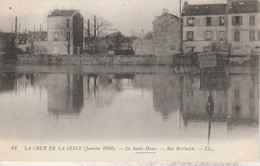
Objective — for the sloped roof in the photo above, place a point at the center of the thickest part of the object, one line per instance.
(245, 6)
(205, 9)
(62, 13)
(166, 14)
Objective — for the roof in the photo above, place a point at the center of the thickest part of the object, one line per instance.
(205, 9)
(62, 12)
(249, 6)
(166, 14)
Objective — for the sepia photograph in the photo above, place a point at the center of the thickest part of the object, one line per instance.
(129, 80)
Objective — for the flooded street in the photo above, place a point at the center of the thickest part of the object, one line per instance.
(165, 104)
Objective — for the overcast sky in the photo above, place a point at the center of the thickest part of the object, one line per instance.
(126, 15)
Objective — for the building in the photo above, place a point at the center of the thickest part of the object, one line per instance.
(65, 33)
(166, 37)
(203, 25)
(166, 34)
(244, 27)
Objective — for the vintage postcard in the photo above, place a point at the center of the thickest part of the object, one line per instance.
(129, 80)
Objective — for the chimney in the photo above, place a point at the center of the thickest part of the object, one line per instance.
(165, 11)
(185, 5)
(15, 30)
(229, 4)
(142, 34)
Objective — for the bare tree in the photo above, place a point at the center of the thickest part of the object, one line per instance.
(65, 31)
(98, 28)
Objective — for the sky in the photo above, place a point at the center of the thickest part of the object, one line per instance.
(127, 16)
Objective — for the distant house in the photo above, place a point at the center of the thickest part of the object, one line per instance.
(244, 27)
(203, 25)
(64, 33)
(166, 34)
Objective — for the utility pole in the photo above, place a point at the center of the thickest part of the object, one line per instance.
(181, 30)
(88, 29)
(95, 34)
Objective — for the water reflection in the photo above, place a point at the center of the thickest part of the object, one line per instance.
(168, 99)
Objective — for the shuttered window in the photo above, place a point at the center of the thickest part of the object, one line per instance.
(237, 20)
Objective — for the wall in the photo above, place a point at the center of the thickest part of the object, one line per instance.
(143, 47)
(244, 46)
(166, 35)
(96, 60)
(199, 29)
(48, 47)
(53, 24)
(77, 33)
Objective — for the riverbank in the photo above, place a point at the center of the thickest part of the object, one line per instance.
(95, 60)
(129, 60)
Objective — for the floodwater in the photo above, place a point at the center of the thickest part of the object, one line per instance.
(129, 103)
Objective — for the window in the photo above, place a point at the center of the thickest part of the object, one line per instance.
(206, 48)
(251, 94)
(221, 21)
(221, 36)
(236, 50)
(252, 20)
(56, 50)
(208, 21)
(237, 94)
(189, 49)
(190, 35)
(237, 20)
(55, 36)
(252, 35)
(258, 35)
(237, 36)
(190, 21)
(208, 36)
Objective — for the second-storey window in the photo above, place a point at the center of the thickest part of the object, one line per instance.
(55, 37)
(237, 35)
(221, 36)
(208, 21)
(208, 35)
(252, 35)
(190, 35)
(252, 20)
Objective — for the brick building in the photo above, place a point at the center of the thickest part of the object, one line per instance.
(244, 27)
(203, 25)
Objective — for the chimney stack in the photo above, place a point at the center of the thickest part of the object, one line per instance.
(15, 30)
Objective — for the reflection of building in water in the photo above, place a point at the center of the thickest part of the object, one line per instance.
(195, 92)
(143, 81)
(65, 93)
(236, 97)
(243, 96)
(166, 91)
(7, 81)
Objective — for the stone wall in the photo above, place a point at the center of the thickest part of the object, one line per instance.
(95, 60)
(166, 35)
(143, 47)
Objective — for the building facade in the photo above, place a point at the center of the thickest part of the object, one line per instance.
(166, 34)
(244, 27)
(203, 25)
(65, 32)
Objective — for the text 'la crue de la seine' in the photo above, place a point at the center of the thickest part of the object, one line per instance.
(136, 149)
